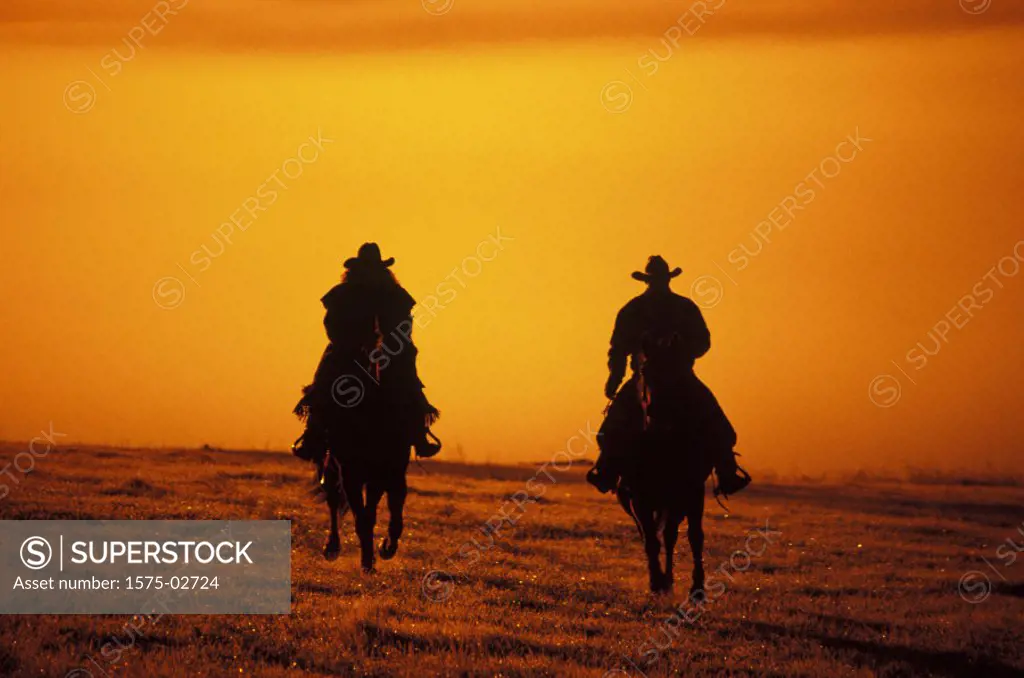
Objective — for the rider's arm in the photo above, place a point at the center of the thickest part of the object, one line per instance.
(333, 323)
(618, 353)
(332, 326)
(700, 335)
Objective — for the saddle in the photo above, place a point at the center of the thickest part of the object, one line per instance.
(312, 445)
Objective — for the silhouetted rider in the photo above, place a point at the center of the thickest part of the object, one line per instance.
(369, 323)
(661, 334)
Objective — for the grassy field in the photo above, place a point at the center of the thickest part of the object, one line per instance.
(858, 579)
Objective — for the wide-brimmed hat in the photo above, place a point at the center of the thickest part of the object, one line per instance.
(656, 270)
(369, 256)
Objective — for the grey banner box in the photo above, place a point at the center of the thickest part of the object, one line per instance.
(150, 567)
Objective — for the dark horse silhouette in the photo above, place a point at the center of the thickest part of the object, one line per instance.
(663, 480)
(659, 489)
(370, 449)
(664, 431)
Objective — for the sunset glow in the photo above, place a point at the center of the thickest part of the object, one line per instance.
(843, 194)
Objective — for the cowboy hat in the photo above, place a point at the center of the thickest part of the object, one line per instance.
(368, 255)
(656, 270)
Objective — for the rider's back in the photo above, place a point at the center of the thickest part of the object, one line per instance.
(661, 326)
(359, 313)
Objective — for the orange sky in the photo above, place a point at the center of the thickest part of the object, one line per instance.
(445, 128)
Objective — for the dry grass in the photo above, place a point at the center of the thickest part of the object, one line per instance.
(862, 580)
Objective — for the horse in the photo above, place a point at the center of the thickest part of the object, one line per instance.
(662, 486)
(369, 445)
(664, 476)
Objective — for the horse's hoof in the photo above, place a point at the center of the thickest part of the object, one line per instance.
(697, 595)
(387, 548)
(661, 583)
(332, 549)
(369, 569)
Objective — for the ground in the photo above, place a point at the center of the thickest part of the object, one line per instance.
(858, 578)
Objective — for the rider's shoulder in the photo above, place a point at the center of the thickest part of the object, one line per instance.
(347, 294)
(402, 297)
(685, 302)
(635, 305)
(662, 299)
(337, 295)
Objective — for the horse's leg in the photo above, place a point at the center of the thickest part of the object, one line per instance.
(374, 491)
(695, 534)
(397, 491)
(333, 546)
(672, 520)
(353, 483)
(647, 526)
(335, 502)
(652, 546)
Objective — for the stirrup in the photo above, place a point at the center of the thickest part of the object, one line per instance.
(427, 449)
